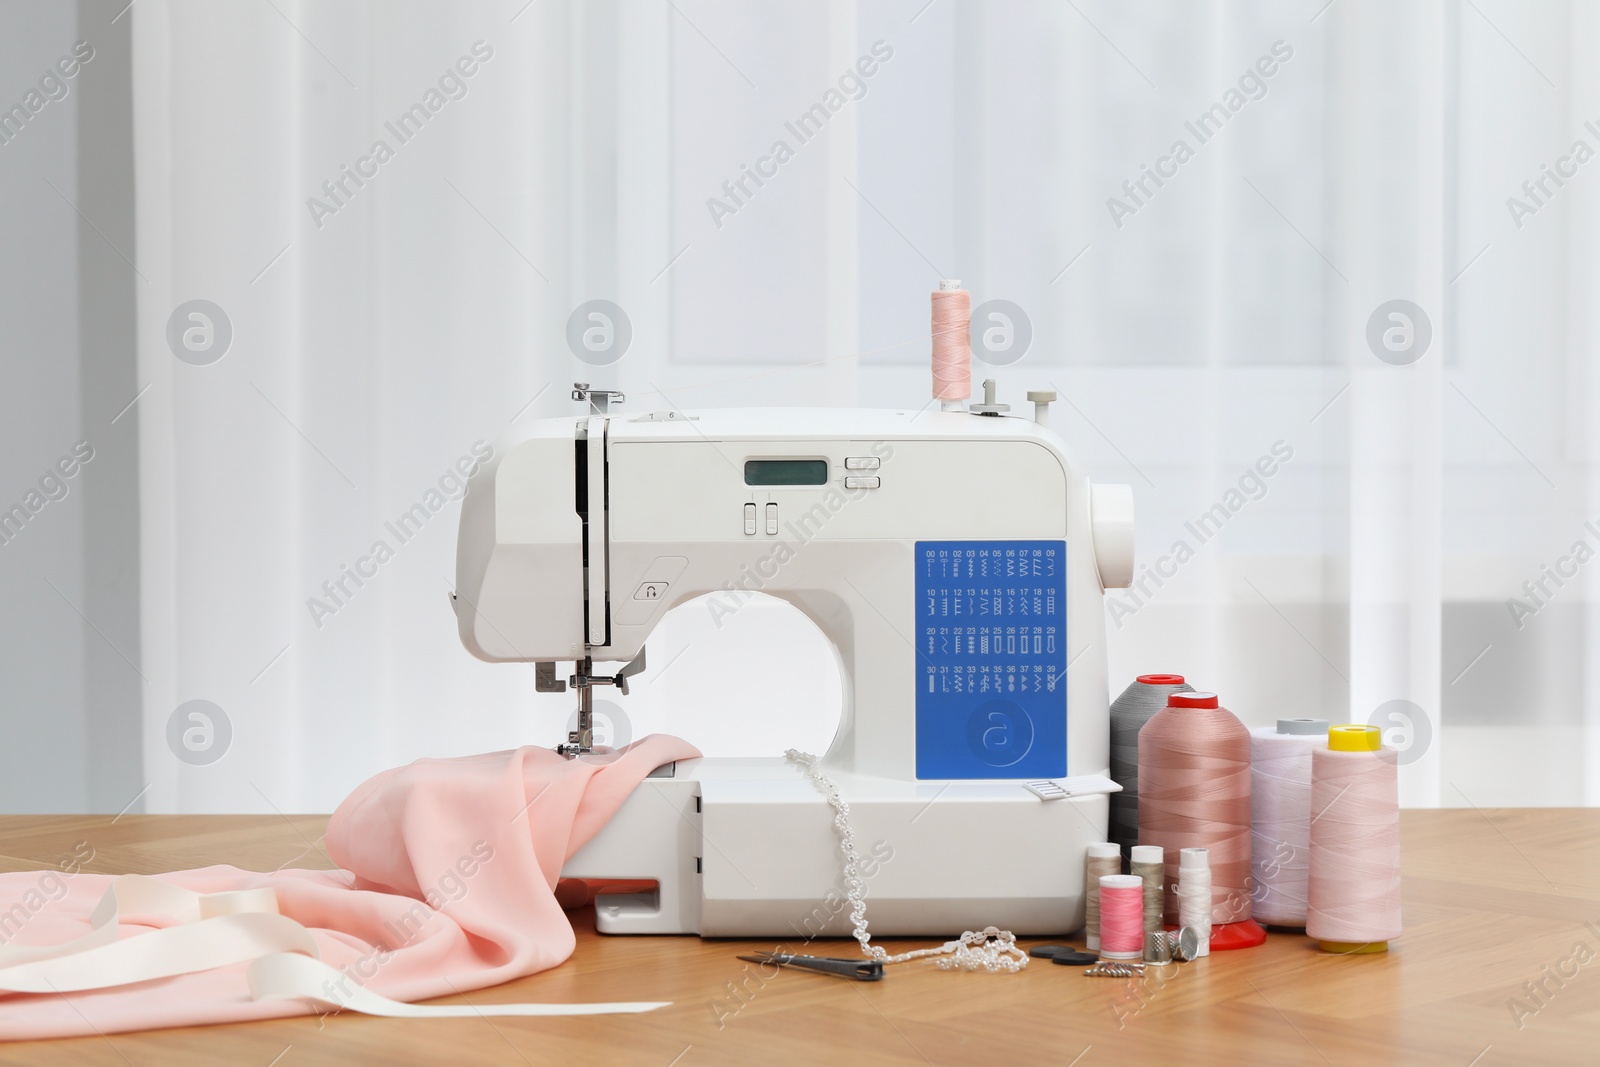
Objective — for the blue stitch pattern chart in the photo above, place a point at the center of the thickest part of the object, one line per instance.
(991, 633)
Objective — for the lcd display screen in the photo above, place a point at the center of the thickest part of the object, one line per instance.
(785, 472)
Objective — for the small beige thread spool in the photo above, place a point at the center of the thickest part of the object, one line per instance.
(1149, 866)
(1103, 858)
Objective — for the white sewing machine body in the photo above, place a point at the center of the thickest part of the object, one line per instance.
(951, 559)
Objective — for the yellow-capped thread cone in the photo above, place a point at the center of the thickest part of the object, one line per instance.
(1352, 737)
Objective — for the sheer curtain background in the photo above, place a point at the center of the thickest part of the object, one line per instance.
(1200, 330)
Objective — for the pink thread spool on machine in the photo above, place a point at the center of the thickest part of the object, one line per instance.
(952, 340)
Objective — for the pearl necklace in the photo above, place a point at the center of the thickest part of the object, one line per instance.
(990, 949)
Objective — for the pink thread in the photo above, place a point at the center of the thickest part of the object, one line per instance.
(952, 373)
(1354, 889)
(1121, 917)
(1194, 792)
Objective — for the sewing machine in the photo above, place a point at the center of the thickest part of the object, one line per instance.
(955, 559)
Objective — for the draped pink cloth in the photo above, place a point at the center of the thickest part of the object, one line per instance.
(450, 869)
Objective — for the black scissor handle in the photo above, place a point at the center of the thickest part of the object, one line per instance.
(860, 970)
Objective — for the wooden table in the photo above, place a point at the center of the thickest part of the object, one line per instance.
(1493, 900)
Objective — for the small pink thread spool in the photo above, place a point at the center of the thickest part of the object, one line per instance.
(952, 342)
(1121, 917)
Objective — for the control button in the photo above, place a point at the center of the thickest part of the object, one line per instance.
(861, 463)
(641, 607)
(772, 518)
(749, 520)
(862, 481)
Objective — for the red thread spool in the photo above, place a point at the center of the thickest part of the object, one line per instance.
(1121, 917)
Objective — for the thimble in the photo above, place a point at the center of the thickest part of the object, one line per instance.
(1184, 944)
(1157, 947)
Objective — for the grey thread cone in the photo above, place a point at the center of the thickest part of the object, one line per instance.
(1129, 713)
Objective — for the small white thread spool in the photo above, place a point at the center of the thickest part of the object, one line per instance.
(1150, 866)
(1194, 894)
(1104, 857)
(1280, 818)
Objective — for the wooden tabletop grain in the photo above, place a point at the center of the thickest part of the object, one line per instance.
(1497, 907)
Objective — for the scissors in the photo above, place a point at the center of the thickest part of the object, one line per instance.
(860, 970)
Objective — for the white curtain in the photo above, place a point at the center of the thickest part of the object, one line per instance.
(1201, 329)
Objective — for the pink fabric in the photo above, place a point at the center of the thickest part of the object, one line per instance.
(449, 884)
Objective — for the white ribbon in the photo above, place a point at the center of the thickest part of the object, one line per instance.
(212, 930)
(289, 976)
(134, 894)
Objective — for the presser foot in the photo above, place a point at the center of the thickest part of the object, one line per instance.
(578, 743)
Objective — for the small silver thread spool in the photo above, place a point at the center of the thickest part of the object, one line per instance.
(1129, 712)
(1103, 858)
(1150, 866)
